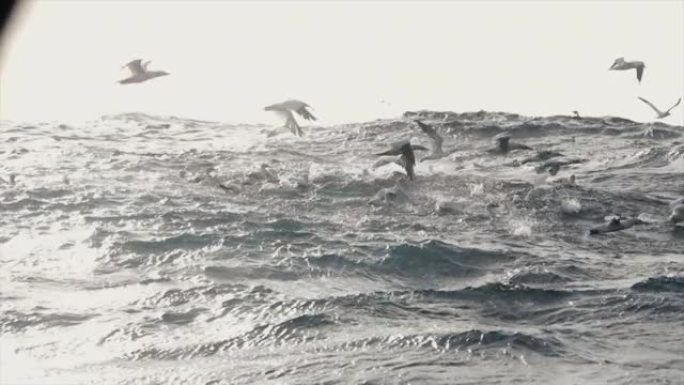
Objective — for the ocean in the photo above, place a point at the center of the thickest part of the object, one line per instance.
(138, 249)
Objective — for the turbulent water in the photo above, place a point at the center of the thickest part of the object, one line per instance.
(146, 250)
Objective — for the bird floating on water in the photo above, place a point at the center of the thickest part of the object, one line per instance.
(285, 109)
(140, 73)
(677, 211)
(661, 114)
(621, 65)
(615, 224)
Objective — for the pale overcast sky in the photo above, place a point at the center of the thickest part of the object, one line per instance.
(228, 59)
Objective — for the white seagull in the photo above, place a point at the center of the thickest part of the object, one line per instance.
(621, 65)
(285, 109)
(139, 72)
(661, 114)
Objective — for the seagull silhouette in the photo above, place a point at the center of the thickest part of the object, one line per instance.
(661, 114)
(621, 65)
(139, 72)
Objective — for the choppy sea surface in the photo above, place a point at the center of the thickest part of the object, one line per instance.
(124, 261)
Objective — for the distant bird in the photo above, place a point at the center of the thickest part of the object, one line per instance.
(140, 73)
(503, 145)
(677, 214)
(437, 142)
(577, 115)
(677, 211)
(661, 114)
(407, 158)
(285, 109)
(621, 65)
(615, 224)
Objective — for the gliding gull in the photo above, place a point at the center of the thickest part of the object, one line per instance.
(661, 114)
(285, 109)
(621, 65)
(139, 72)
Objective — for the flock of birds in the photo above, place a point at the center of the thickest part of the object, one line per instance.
(620, 64)
(402, 152)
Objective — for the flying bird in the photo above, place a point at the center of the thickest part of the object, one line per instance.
(503, 145)
(661, 114)
(621, 65)
(577, 115)
(407, 158)
(285, 109)
(437, 141)
(140, 73)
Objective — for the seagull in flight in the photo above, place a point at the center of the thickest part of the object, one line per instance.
(140, 73)
(661, 114)
(285, 109)
(577, 115)
(621, 65)
(503, 145)
(437, 141)
(407, 158)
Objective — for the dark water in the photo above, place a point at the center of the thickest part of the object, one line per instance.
(124, 262)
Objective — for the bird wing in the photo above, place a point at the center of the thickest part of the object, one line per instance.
(290, 122)
(274, 107)
(418, 147)
(145, 64)
(675, 105)
(393, 151)
(293, 104)
(135, 67)
(304, 113)
(437, 140)
(408, 158)
(651, 105)
(640, 72)
(383, 161)
(395, 148)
